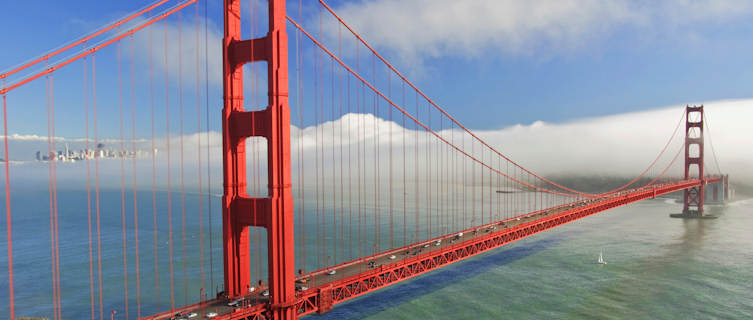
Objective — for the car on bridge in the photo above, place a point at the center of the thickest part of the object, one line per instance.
(235, 303)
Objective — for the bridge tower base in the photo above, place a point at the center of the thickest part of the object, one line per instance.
(693, 197)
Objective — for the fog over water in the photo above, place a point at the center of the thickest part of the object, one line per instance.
(656, 264)
(616, 146)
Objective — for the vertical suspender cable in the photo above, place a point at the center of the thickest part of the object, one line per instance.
(389, 88)
(350, 178)
(340, 123)
(483, 186)
(415, 177)
(320, 166)
(49, 185)
(454, 181)
(57, 225)
(317, 145)
(405, 178)
(209, 153)
(198, 157)
(325, 256)
(154, 173)
(465, 180)
(88, 188)
(428, 175)
(442, 183)
(499, 185)
(56, 256)
(491, 192)
(316, 158)
(8, 224)
(301, 176)
(55, 202)
(182, 184)
(359, 127)
(121, 155)
(169, 191)
(489, 207)
(334, 188)
(96, 188)
(135, 189)
(376, 160)
(473, 187)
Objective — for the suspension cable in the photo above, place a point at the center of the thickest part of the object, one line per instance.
(342, 22)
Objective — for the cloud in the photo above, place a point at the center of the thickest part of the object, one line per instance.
(167, 35)
(434, 28)
(616, 146)
(620, 145)
(624, 144)
(38, 138)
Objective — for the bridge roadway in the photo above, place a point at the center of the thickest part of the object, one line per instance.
(354, 278)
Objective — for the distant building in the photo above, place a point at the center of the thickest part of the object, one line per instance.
(69, 155)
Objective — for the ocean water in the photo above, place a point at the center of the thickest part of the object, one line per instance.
(658, 267)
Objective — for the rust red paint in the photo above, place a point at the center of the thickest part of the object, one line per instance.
(693, 197)
(240, 211)
(325, 297)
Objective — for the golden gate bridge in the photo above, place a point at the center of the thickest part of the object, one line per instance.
(395, 186)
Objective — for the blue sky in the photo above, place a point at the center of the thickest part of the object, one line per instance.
(626, 56)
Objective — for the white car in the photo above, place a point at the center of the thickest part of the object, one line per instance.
(192, 315)
(265, 293)
(426, 245)
(393, 257)
(331, 272)
(234, 303)
(211, 315)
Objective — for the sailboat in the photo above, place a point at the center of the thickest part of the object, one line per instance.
(601, 258)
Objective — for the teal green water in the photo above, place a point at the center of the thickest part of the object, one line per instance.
(658, 268)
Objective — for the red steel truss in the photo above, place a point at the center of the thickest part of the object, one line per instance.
(322, 298)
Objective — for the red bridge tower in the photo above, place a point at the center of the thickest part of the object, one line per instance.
(239, 210)
(693, 197)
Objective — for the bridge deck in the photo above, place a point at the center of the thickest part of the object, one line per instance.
(357, 277)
